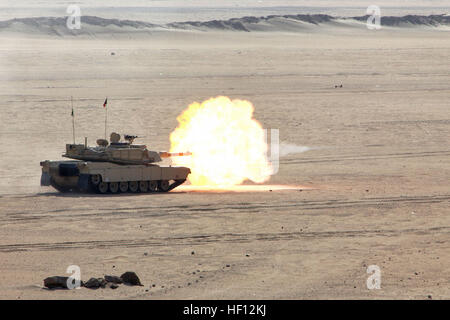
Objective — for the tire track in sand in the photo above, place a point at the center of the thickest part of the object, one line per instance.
(217, 238)
(187, 211)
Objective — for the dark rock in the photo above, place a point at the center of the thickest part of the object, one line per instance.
(113, 286)
(102, 282)
(113, 279)
(131, 278)
(56, 282)
(94, 283)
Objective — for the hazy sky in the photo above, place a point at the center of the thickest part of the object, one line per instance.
(166, 11)
(221, 3)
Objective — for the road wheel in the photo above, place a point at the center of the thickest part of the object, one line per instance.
(134, 186)
(114, 187)
(143, 186)
(152, 186)
(102, 187)
(96, 179)
(163, 185)
(123, 186)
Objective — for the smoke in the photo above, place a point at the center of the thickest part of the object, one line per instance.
(289, 148)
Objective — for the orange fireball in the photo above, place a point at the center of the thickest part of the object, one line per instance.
(228, 146)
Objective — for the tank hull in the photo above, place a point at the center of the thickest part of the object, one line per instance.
(106, 177)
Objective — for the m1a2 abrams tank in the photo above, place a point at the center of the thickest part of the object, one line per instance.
(112, 167)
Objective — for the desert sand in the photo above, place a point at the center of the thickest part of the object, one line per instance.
(373, 189)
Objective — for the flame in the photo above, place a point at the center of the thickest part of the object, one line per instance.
(228, 146)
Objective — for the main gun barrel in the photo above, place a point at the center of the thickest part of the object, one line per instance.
(174, 154)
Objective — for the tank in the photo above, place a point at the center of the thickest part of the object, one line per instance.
(113, 167)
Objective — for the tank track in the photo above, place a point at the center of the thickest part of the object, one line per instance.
(116, 188)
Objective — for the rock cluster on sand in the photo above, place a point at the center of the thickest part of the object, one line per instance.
(114, 279)
(94, 283)
(129, 278)
(56, 282)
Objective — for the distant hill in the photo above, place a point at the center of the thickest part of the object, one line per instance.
(92, 25)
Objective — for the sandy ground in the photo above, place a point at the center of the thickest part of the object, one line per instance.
(375, 189)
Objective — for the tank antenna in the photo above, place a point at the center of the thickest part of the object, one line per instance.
(73, 120)
(106, 114)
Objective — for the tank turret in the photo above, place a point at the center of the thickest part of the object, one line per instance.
(117, 152)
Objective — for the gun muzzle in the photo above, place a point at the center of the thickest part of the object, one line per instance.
(174, 154)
